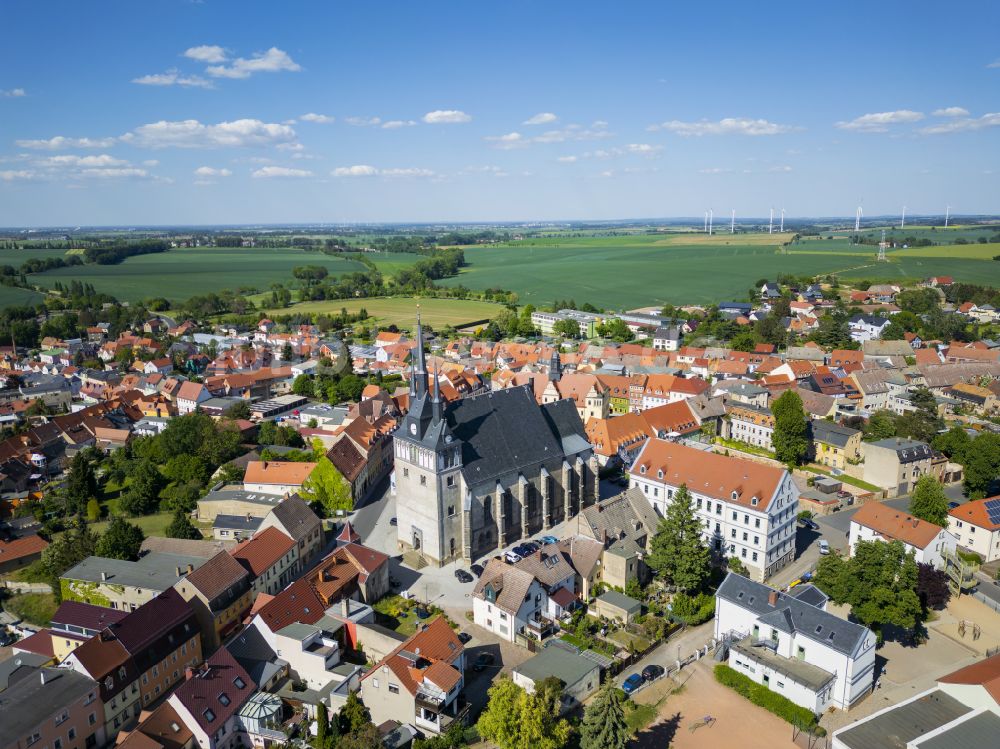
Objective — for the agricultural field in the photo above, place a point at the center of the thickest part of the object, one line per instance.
(17, 257)
(627, 271)
(182, 273)
(15, 296)
(402, 311)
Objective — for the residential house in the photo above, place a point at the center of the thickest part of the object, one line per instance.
(662, 389)
(220, 592)
(962, 710)
(834, 445)
(748, 509)
(189, 396)
(623, 525)
(867, 327)
(895, 463)
(124, 585)
(295, 519)
(749, 424)
(667, 338)
(979, 400)
(271, 557)
(106, 661)
(792, 645)
(51, 708)
(420, 682)
(976, 525)
(208, 702)
(580, 676)
(511, 602)
(276, 477)
(20, 552)
(74, 623)
(875, 521)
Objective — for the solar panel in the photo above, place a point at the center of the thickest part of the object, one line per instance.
(993, 510)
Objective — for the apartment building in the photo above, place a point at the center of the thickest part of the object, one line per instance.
(976, 525)
(875, 521)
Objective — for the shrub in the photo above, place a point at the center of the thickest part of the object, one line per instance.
(969, 557)
(692, 610)
(763, 697)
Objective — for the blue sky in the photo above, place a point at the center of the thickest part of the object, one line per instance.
(171, 111)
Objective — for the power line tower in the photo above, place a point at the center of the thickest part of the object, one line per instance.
(881, 248)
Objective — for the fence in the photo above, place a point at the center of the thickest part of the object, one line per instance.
(26, 587)
(808, 740)
(995, 605)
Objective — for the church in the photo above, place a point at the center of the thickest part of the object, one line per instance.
(477, 474)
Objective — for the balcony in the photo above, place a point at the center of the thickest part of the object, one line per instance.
(961, 574)
(439, 722)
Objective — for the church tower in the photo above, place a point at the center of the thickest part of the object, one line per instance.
(428, 463)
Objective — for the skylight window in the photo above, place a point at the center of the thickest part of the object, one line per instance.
(224, 699)
(239, 683)
(209, 715)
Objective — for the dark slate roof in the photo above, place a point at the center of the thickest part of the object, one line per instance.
(831, 433)
(252, 652)
(237, 522)
(19, 666)
(908, 451)
(156, 629)
(296, 517)
(505, 431)
(979, 730)
(809, 594)
(791, 614)
(34, 702)
(85, 615)
(897, 727)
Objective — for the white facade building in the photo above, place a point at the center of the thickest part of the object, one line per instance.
(976, 525)
(789, 643)
(748, 510)
(877, 522)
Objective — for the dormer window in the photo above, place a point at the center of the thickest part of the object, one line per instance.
(753, 501)
(224, 699)
(209, 715)
(642, 469)
(239, 683)
(734, 495)
(659, 474)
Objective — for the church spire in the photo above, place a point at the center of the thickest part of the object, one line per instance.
(419, 378)
(555, 367)
(436, 400)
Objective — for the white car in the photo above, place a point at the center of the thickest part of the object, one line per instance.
(512, 558)
(824, 546)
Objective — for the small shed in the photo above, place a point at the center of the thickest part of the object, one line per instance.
(581, 676)
(615, 605)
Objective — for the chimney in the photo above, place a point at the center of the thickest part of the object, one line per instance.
(416, 651)
(345, 606)
(178, 571)
(41, 674)
(772, 598)
(188, 673)
(104, 576)
(190, 568)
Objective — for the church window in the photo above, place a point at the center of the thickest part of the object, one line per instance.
(451, 511)
(450, 481)
(423, 481)
(406, 472)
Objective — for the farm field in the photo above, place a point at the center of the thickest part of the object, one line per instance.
(15, 296)
(629, 271)
(16, 257)
(401, 311)
(179, 274)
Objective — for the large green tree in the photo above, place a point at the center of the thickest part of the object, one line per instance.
(791, 429)
(327, 488)
(982, 465)
(928, 501)
(881, 425)
(182, 527)
(604, 725)
(122, 540)
(514, 719)
(678, 553)
(81, 483)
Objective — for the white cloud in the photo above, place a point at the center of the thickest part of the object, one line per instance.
(879, 122)
(961, 124)
(395, 124)
(151, 162)
(596, 131)
(12, 175)
(319, 119)
(567, 159)
(210, 53)
(507, 142)
(542, 118)
(115, 173)
(608, 173)
(951, 112)
(410, 172)
(643, 148)
(725, 126)
(208, 171)
(994, 64)
(715, 170)
(358, 170)
(173, 78)
(13, 93)
(363, 121)
(780, 168)
(194, 134)
(273, 60)
(446, 117)
(295, 147)
(280, 171)
(60, 142)
(60, 162)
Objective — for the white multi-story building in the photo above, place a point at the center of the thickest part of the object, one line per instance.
(792, 645)
(748, 510)
(750, 424)
(878, 522)
(977, 527)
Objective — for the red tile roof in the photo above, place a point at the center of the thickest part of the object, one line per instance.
(975, 513)
(985, 673)
(896, 525)
(19, 548)
(40, 643)
(429, 654)
(260, 553)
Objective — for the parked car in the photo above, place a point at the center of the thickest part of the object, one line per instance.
(464, 637)
(632, 683)
(463, 576)
(421, 612)
(393, 521)
(511, 557)
(477, 570)
(549, 540)
(651, 672)
(810, 524)
(824, 546)
(482, 661)
(530, 546)
(953, 505)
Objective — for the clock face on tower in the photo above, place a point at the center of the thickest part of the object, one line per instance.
(413, 429)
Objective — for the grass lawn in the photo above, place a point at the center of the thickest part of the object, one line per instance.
(639, 716)
(624, 638)
(179, 274)
(152, 525)
(36, 608)
(402, 311)
(845, 478)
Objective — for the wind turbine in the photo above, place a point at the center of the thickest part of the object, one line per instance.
(902, 220)
(710, 217)
(947, 214)
(706, 223)
(782, 229)
(732, 222)
(770, 223)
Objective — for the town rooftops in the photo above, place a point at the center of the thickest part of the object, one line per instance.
(897, 727)
(295, 516)
(237, 494)
(984, 513)
(185, 546)
(154, 571)
(504, 585)
(277, 473)
(258, 554)
(627, 515)
(37, 698)
(710, 474)
(908, 451)
(789, 614)
(984, 673)
(429, 654)
(162, 729)
(247, 523)
(215, 691)
(896, 525)
(831, 433)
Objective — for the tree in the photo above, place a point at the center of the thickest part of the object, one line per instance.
(549, 690)
(514, 719)
(745, 340)
(353, 715)
(93, 510)
(327, 733)
(65, 551)
(954, 443)
(349, 388)
(678, 554)
(182, 527)
(303, 385)
(453, 738)
(928, 501)
(604, 725)
(566, 328)
(982, 464)
(81, 484)
(142, 495)
(239, 410)
(616, 330)
(932, 587)
(121, 540)
(735, 565)
(880, 426)
(366, 737)
(791, 429)
(327, 488)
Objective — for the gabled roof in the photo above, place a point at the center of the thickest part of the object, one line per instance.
(259, 553)
(19, 548)
(985, 673)
(977, 513)
(429, 654)
(216, 576)
(86, 615)
(509, 585)
(895, 525)
(277, 472)
(216, 691)
(295, 517)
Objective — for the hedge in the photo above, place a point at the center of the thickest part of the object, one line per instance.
(763, 697)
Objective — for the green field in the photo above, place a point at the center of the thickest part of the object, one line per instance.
(15, 296)
(402, 311)
(16, 257)
(179, 274)
(630, 271)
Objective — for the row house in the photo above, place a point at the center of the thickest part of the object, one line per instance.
(51, 707)
(271, 557)
(662, 389)
(751, 425)
(929, 543)
(221, 592)
(748, 510)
